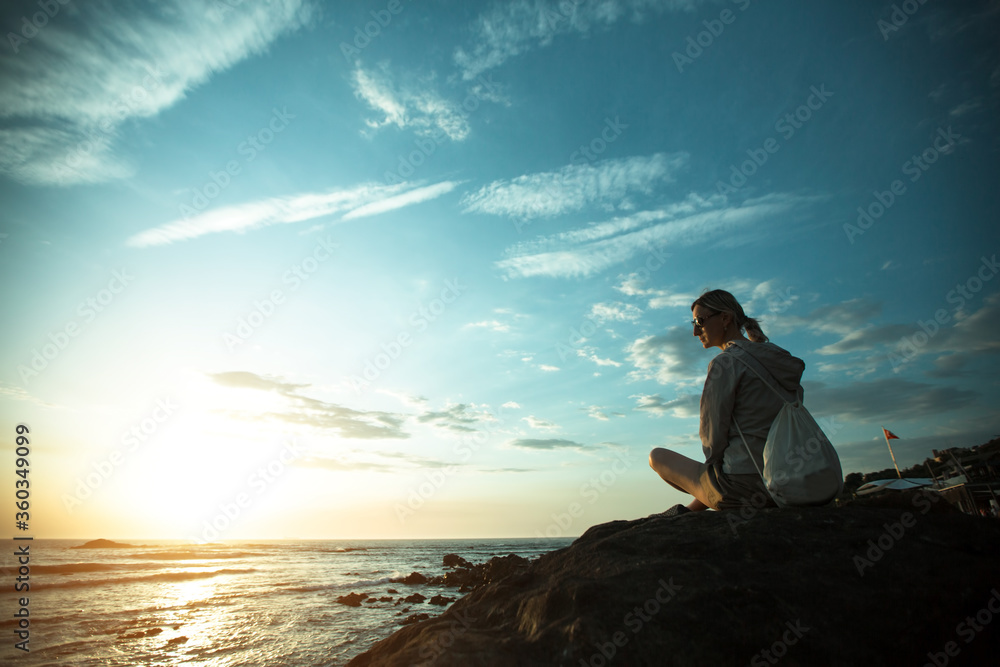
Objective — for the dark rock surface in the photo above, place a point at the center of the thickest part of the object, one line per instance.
(414, 618)
(858, 585)
(141, 634)
(468, 577)
(352, 599)
(454, 560)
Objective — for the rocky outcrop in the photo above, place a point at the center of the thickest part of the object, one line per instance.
(104, 544)
(469, 577)
(464, 575)
(910, 584)
(352, 599)
(440, 600)
(412, 579)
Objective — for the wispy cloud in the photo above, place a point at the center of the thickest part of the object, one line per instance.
(686, 405)
(292, 405)
(343, 464)
(668, 358)
(504, 322)
(362, 200)
(79, 80)
(461, 417)
(771, 297)
(885, 400)
(18, 394)
(659, 297)
(544, 444)
(408, 400)
(303, 410)
(597, 412)
(615, 311)
(416, 106)
(508, 29)
(952, 344)
(406, 199)
(492, 325)
(540, 424)
(574, 186)
(391, 463)
(590, 354)
(595, 249)
(847, 318)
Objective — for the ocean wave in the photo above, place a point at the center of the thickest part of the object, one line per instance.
(193, 555)
(338, 586)
(49, 620)
(163, 577)
(76, 568)
(217, 600)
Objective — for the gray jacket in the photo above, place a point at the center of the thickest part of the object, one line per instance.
(733, 390)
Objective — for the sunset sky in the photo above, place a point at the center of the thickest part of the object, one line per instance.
(424, 269)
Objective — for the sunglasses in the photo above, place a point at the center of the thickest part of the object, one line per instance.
(699, 322)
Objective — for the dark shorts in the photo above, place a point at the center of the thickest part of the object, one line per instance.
(726, 492)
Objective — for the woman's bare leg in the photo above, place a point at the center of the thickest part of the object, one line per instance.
(681, 473)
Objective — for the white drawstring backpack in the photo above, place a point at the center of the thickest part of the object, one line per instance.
(801, 467)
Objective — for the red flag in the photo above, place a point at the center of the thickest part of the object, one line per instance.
(889, 435)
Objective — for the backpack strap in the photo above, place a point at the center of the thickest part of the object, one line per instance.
(762, 379)
(749, 453)
(740, 431)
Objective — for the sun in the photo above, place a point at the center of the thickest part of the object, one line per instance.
(205, 461)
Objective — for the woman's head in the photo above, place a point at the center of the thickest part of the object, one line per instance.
(731, 319)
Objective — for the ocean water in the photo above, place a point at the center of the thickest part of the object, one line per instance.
(235, 603)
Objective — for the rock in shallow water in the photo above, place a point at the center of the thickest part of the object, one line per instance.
(352, 599)
(820, 586)
(454, 560)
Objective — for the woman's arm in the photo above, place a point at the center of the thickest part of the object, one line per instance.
(718, 399)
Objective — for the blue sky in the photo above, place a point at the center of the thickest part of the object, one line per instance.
(398, 269)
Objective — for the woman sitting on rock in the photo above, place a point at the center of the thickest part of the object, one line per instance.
(728, 479)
